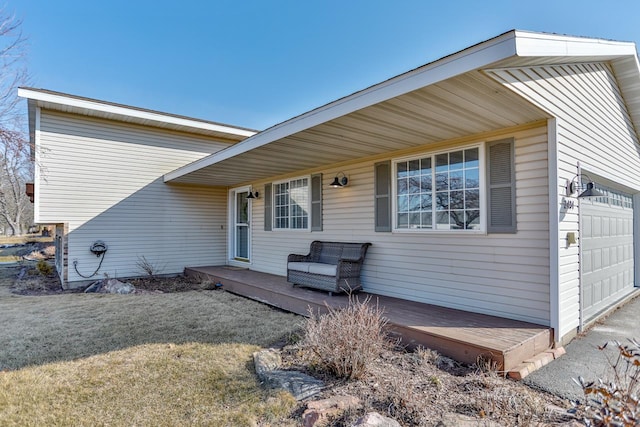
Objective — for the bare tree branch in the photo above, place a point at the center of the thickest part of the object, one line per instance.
(15, 166)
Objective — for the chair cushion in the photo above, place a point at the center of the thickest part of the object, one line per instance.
(324, 269)
(299, 266)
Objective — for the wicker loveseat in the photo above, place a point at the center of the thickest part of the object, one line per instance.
(329, 266)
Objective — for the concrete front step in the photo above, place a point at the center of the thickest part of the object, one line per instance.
(535, 363)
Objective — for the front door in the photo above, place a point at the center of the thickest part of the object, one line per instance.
(240, 229)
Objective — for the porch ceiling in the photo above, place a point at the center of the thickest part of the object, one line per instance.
(464, 105)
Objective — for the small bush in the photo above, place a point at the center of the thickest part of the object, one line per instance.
(615, 402)
(344, 341)
(44, 268)
(149, 268)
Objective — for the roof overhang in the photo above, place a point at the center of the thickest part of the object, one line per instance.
(63, 102)
(388, 116)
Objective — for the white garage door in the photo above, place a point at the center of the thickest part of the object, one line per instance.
(607, 250)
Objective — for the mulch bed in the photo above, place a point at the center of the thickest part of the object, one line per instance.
(418, 388)
(28, 281)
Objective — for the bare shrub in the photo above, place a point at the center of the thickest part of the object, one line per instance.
(344, 341)
(149, 268)
(487, 364)
(615, 402)
(427, 355)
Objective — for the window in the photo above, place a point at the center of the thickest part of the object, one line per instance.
(439, 191)
(291, 204)
(612, 197)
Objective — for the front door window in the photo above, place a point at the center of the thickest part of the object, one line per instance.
(241, 229)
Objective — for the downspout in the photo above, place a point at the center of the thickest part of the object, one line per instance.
(36, 165)
(580, 287)
(554, 223)
(636, 241)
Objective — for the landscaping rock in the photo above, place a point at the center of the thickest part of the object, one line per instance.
(114, 286)
(318, 411)
(300, 385)
(94, 287)
(110, 286)
(374, 419)
(459, 420)
(266, 360)
(558, 414)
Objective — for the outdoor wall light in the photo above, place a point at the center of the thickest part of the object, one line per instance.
(253, 195)
(591, 191)
(340, 180)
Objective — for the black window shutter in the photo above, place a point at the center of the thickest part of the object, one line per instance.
(502, 186)
(382, 178)
(316, 202)
(268, 211)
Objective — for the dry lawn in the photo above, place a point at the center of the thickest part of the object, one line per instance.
(146, 385)
(184, 358)
(24, 239)
(10, 254)
(149, 359)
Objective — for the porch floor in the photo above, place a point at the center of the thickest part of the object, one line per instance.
(461, 335)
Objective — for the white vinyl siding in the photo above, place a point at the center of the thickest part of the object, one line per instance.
(104, 179)
(594, 129)
(500, 274)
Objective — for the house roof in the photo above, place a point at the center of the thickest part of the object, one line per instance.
(108, 110)
(445, 99)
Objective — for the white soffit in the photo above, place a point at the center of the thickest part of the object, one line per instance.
(513, 46)
(96, 108)
(459, 63)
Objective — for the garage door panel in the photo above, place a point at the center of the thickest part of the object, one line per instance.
(586, 227)
(607, 251)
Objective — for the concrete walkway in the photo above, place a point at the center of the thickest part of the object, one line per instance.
(583, 357)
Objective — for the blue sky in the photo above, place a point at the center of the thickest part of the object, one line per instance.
(257, 63)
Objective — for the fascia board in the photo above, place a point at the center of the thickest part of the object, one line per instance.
(542, 44)
(128, 112)
(475, 57)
